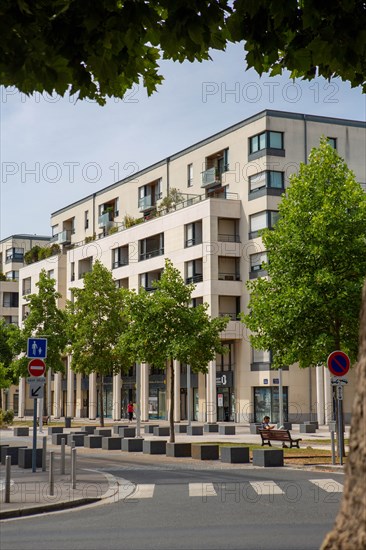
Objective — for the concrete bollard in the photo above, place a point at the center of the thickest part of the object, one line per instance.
(62, 462)
(7, 478)
(73, 468)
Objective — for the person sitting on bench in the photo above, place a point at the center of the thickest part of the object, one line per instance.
(265, 424)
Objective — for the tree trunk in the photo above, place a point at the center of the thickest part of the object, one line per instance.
(101, 386)
(171, 411)
(349, 531)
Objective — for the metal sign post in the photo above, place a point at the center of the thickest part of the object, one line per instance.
(34, 448)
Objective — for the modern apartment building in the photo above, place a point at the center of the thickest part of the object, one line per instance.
(230, 185)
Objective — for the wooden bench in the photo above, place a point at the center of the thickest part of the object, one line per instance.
(45, 420)
(278, 435)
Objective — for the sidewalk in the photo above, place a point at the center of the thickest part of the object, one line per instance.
(30, 492)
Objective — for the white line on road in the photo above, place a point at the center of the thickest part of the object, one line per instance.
(328, 485)
(266, 488)
(142, 491)
(202, 490)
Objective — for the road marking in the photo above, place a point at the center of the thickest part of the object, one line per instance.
(266, 488)
(328, 485)
(142, 491)
(202, 490)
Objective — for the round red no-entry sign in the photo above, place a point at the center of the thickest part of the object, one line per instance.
(36, 367)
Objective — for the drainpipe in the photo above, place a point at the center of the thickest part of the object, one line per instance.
(167, 175)
(305, 141)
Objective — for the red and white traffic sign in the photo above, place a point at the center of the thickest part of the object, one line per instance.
(36, 367)
(338, 363)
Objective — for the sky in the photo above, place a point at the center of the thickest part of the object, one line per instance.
(55, 150)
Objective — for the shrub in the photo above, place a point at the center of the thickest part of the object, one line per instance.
(6, 417)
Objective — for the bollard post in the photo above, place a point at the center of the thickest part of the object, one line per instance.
(7, 478)
(73, 468)
(51, 475)
(63, 442)
(332, 447)
(44, 453)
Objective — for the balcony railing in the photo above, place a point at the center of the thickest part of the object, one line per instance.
(194, 279)
(105, 220)
(210, 177)
(64, 237)
(146, 202)
(26, 291)
(229, 277)
(233, 316)
(228, 238)
(151, 254)
(15, 258)
(120, 263)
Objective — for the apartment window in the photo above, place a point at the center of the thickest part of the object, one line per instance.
(27, 286)
(196, 301)
(72, 275)
(10, 299)
(269, 179)
(12, 275)
(151, 247)
(333, 142)
(216, 165)
(15, 255)
(149, 194)
(189, 175)
(266, 140)
(51, 274)
(194, 272)
(256, 264)
(54, 230)
(86, 219)
(226, 361)
(122, 283)
(119, 256)
(262, 220)
(148, 280)
(193, 233)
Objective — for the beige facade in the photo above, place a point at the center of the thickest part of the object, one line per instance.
(230, 185)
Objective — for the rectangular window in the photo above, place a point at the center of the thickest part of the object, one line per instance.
(119, 256)
(193, 234)
(333, 142)
(261, 356)
(262, 220)
(10, 299)
(12, 275)
(189, 175)
(194, 271)
(15, 255)
(86, 219)
(257, 261)
(266, 140)
(51, 274)
(72, 275)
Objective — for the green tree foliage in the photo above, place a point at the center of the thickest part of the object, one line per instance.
(101, 49)
(309, 306)
(96, 320)
(9, 334)
(45, 319)
(163, 327)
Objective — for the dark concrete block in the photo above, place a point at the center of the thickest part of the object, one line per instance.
(307, 429)
(56, 438)
(112, 443)
(178, 449)
(235, 455)
(12, 451)
(205, 452)
(104, 432)
(226, 430)
(78, 439)
(25, 458)
(267, 457)
(162, 431)
(195, 430)
(285, 426)
(312, 423)
(89, 430)
(93, 441)
(149, 428)
(68, 421)
(55, 430)
(211, 428)
(255, 427)
(127, 432)
(132, 445)
(21, 431)
(180, 428)
(154, 447)
(116, 428)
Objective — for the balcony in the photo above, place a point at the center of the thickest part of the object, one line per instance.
(233, 316)
(146, 203)
(229, 277)
(105, 220)
(210, 177)
(64, 237)
(120, 263)
(194, 279)
(226, 238)
(151, 254)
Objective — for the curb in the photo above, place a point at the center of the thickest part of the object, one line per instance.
(63, 505)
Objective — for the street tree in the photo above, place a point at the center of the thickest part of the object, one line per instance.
(163, 327)
(102, 49)
(309, 305)
(96, 320)
(9, 334)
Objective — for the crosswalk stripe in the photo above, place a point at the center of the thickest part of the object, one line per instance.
(328, 485)
(202, 490)
(266, 488)
(142, 491)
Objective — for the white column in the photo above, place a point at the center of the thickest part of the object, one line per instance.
(21, 405)
(319, 370)
(116, 410)
(57, 394)
(211, 393)
(70, 389)
(79, 397)
(144, 392)
(92, 396)
(176, 367)
(328, 399)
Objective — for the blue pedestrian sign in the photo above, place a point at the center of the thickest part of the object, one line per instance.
(37, 347)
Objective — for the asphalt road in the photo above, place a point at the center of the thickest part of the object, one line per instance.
(171, 509)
